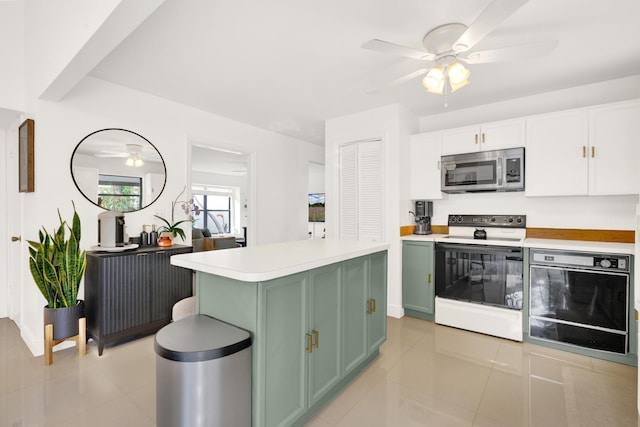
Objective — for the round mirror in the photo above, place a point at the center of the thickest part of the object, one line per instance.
(119, 170)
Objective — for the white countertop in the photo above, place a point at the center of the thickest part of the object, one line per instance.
(568, 245)
(423, 237)
(266, 262)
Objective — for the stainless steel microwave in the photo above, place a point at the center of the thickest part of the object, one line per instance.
(497, 170)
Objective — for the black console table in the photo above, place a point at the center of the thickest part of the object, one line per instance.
(131, 294)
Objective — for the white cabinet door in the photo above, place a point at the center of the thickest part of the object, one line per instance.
(489, 136)
(556, 154)
(614, 153)
(500, 135)
(424, 163)
(461, 140)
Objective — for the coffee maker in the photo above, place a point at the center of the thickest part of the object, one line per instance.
(111, 229)
(422, 215)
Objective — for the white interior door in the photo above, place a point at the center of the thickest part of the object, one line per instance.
(13, 252)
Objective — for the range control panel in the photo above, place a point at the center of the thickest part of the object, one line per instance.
(580, 259)
(502, 221)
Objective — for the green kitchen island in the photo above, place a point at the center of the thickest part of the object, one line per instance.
(316, 310)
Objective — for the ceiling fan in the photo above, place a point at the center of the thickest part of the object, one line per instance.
(133, 154)
(448, 50)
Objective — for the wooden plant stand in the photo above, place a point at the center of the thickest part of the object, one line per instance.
(80, 339)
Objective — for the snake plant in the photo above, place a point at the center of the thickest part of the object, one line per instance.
(57, 264)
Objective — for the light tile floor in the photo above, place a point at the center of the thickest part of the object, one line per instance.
(426, 375)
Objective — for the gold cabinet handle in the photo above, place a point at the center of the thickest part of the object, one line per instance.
(483, 137)
(429, 278)
(315, 336)
(593, 152)
(16, 238)
(374, 305)
(369, 306)
(584, 151)
(309, 347)
(476, 135)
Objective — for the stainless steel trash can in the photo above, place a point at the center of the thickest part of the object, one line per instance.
(203, 374)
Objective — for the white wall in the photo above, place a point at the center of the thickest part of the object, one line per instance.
(580, 96)
(12, 54)
(316, 178)
(393, 124)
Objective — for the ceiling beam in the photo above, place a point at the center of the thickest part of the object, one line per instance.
(124, 19)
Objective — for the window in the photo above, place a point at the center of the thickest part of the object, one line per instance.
(215, 206)
(120, 193)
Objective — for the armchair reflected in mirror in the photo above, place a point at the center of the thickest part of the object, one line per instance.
(117, 169)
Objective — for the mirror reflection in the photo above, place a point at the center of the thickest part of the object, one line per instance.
(117, 169)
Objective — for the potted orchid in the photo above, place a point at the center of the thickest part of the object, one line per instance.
(172, 229)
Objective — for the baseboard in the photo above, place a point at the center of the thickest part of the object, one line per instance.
(36, 345)
(396, 311)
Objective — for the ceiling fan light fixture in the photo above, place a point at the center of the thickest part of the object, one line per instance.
(458, 76)
(134, 159)
(434, 80)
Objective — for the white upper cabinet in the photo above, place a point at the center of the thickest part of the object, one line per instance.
(614, 152)
(490, 136)
(556, 154)
(584, 152)
(424, 163)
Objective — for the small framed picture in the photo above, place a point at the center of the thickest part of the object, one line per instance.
(25, 156)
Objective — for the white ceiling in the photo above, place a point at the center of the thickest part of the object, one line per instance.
(288, 65)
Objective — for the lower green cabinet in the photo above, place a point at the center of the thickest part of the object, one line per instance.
(377, 301)
(311, 331)
(354, 311)
(418, 280)
(282, 328)
(323, 331)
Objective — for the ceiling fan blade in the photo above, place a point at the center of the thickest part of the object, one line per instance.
(110, 154)
(399, 80)
(396, 49)
(496, 12)
(531, 50)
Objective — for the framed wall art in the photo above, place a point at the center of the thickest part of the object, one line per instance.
(25, 156)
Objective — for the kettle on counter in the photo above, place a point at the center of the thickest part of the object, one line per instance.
(480, 234)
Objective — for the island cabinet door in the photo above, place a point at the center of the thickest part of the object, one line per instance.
(282, 366)
(377, 302)
(324, 330)
(354, 312)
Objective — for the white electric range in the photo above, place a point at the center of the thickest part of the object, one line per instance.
(479, 274)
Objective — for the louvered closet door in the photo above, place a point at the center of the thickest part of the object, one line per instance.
(349, 192)
(361, 191)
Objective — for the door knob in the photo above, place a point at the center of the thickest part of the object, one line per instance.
(16, 238)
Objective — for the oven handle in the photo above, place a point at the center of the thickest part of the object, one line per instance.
(481, 248)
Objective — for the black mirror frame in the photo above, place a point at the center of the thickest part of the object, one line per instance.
(164, 166)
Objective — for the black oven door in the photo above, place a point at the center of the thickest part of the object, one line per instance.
(479, 274)
(581, 307)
